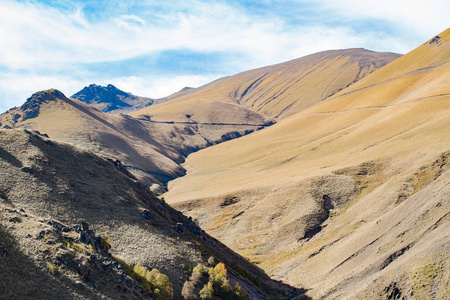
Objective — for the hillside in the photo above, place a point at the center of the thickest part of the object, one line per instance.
(111, 100)
(153, 143)
(153, 151)
(348, 197)
(275, 91)
(115, 136)
(76, 225)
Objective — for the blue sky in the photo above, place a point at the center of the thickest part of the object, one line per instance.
(154, 48)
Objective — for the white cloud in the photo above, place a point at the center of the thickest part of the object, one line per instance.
(15, 89)
(416, 17)
(41, 40)
(158, 87)
(130, 22)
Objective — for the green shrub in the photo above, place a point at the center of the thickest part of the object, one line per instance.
(217, 285)
(127, 267)
(153, 281)
(75, 246)
(52, 268)
(160, 282)
(105, 243)
(207, 291)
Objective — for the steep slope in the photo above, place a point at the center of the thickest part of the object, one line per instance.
(275, 91)
(347, 197)
(116, 136)
(152, 150)
(46, 186)
(111, 100)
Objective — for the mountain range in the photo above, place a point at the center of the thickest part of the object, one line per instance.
(328, 172)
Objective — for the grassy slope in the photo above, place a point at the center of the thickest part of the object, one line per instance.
(377, 136)
(272, 91)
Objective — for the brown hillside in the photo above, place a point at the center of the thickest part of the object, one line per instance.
(47, 186)
(349, 197)
(151, 150)
(116, 136)
(275, 91)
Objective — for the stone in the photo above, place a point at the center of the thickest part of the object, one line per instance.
(145, 214)
(2, 251)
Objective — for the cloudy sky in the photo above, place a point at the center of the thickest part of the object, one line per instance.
(154, 48)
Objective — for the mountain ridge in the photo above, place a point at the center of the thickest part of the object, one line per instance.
(278, 90)
(376, 148)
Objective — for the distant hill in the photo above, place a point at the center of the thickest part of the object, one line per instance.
(274, 92)
(76, 225)
(347, 197)
(152, 150)
(111, 100)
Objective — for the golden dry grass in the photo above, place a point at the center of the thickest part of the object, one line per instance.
(397, 118)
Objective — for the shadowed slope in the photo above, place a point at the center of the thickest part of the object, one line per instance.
(49, 186)
(323, 178)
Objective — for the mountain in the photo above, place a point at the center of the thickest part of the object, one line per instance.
(275, 91)
(116, 136)
(348, 196)
(76, 225)
(154, 143)
(263, 194)
(111, 100)
(153, 151)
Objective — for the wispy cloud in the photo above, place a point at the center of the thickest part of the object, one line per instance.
(61, 43)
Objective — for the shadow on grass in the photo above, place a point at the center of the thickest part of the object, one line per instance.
(21, 278)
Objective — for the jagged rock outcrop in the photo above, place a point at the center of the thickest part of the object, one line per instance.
(111, 100)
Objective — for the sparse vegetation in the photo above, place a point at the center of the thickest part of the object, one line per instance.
(153, 281)
(424, 276)
(215, 284)
(188, 291)
(52, 268)
(75, 246)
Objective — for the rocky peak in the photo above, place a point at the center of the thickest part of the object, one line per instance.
(32, 105)
(42, 96)
(110, 99)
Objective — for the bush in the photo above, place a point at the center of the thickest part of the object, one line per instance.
(188, 291)
(211, 261)
(239, 292)
(207, 291)
(217, 285)
(52, 268)
(153, 281)
(105, 243)
(160, 282)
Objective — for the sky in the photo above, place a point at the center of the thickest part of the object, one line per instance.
(155, 48)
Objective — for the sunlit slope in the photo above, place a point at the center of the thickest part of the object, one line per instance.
(351, 125)
(378, 149)
(271, 92)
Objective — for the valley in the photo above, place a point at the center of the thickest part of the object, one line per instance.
(324, 177)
